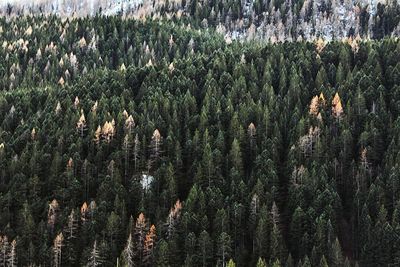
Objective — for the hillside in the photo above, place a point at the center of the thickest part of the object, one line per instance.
(266, 20)
(154, 143)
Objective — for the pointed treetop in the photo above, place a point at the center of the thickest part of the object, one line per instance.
(61, 81)
(82, 42)
(322, 99)
(82, 121)
(141, 220)
(33, 134)
(149, 63)
(76, 102)
(84, 208)
(251, 130)
(29, 30)
(336, 99)
(122, 68)
(58, 240)
(320, 45)
(231, 263)
(97, 134)
(171, 67)
(261, 263)
(94, 107)
(171, 41)
(58, 107)
(337, 109)
(53, 204)
(156, 135)
(108, 130)
(129, 122)
(275, 213)
(175, 211)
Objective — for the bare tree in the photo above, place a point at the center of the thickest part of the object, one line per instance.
(4, 248)
(72, 225)
(94, 258)
(136, 147)
(129, 253)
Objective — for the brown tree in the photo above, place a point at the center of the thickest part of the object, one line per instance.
(148, 250)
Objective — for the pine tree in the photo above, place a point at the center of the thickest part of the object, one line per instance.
(52, 213)
(94, 257)
(205, 248)
(4, 248)
(129, 252)
(140, 231)
(57, 249)
(231, 263)
(81, 124)
(261, 263)
(155, 148)
(224, 247)
(148, 249)
(337, 109)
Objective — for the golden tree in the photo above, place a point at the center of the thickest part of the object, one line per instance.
(84, 212)
(108, 131)
(321, 99)
(52, 213)
(320, 45)
(140, 234)
(155, 149)
(81, 124)
(337, 109)
(97, 135)
(129, 124)
(57, 247)
(173, 216)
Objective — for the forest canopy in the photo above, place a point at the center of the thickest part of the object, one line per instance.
(151, 143)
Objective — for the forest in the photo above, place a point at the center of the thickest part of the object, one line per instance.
(151, 142)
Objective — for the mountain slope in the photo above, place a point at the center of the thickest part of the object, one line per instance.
(271, 20)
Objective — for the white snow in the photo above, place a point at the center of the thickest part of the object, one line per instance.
(146, 181)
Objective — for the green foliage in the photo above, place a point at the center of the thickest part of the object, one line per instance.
(225, 129)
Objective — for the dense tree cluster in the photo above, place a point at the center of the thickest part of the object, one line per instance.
(147, 143)
(272, 20)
